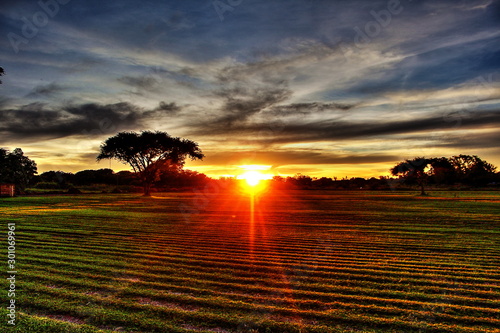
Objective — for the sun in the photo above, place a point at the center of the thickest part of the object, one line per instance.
(252, 178)
(253, 175)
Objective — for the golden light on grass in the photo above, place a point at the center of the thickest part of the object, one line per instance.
(253, 183)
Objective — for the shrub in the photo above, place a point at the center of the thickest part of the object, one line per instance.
(48, 186)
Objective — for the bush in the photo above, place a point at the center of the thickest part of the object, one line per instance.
(74, 190)
(48, 186)
(126, 189)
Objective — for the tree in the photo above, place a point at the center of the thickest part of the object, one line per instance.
(2, 72)
(148, 152)
(302, 181)
(16, 168)
(184, 178)
(442, 171)
(90, 177)
(63, 179)
(472, 170)
(413, 170)
(323, 182)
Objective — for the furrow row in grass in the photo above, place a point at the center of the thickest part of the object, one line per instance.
(306, 277)
(182, 284)
(227, 314)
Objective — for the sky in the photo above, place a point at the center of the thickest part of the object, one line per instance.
(323, 88)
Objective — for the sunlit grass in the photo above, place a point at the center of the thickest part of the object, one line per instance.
(302, 262)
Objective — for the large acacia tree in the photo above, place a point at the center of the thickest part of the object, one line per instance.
(413, 170)
(149, 152)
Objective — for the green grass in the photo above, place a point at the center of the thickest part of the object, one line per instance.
(304, 261)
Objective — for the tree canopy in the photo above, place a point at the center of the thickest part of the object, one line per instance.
(2, 72)
(472, 170)
(16, 168)
(149, 152)
(464, 169)
(415, 169)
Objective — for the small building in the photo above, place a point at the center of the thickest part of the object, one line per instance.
(7, 190)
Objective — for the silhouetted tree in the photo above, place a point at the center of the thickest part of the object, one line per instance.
(413, 170)
(442, 170)
(63, 179)
(148, 152)
(126, 178)
(16, 168)
(302, 181)
(89, 177)
(2, 72)
(173, 178)
(323, 182)
(472, 170)
(357, 183)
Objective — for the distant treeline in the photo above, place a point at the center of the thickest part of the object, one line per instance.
(123, 181)
(462, 170)
(454, 172)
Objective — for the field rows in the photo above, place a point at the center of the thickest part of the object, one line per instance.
(298, 263)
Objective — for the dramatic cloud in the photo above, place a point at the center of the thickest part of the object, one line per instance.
(335, 130)
(36, 121)
(308, 82)
(278, 158)
(308, 108)
(472, 140)
(240, 105)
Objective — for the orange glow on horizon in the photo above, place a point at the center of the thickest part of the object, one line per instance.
(253, 177)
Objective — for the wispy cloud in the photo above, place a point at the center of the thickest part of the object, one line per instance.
(46, 90)
(300, 71)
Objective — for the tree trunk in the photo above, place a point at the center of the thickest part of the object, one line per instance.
(147, 190)
(421, 178)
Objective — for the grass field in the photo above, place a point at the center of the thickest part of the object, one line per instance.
(306, 261)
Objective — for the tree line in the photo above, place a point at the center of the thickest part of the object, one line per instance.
(119, 182)
(157, 160)
(461, 170)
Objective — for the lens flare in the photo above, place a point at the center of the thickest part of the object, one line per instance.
(252, 178)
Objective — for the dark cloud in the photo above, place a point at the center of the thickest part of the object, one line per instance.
(334, 130)
(309, 108)
(162, 110)
(168, 107)
(158, 77)
(241, 104)
(83, 64)
(38, 121)
(147, 83)
(46, 90)
(279, 158)
(471, 140)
